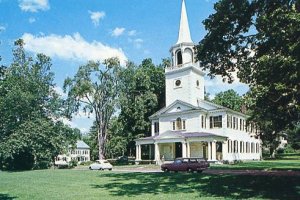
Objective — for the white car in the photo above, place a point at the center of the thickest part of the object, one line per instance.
(101, 165)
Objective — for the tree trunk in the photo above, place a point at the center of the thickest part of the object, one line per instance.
(101, 144)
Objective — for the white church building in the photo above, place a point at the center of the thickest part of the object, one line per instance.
(189, 126)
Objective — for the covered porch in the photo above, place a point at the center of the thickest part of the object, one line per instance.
(171, 145)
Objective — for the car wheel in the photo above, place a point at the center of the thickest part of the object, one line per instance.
(199, 171)
(166, 170)
(189, 170)
(110, 169)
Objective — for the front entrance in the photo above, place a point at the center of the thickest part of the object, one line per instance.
(178, 150)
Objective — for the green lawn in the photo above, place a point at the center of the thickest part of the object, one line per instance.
(84, 184)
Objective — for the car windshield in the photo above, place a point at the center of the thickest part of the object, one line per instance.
(105, 161)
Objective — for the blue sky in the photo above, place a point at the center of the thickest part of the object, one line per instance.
(74, 31)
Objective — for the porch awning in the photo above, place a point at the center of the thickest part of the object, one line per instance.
(180, 135)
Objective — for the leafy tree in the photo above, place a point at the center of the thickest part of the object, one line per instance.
(260, 41)
(294, 137)
(229, 99)
(29, 136)
(92, 140)
(117, 141)
(143, 93)
(95, 89)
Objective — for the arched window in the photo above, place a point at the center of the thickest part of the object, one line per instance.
(188, 55)
(179, 57)
(178, 124)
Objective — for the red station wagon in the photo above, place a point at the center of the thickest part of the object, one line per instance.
(186, 164)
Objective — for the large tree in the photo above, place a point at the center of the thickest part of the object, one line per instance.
(30, 133)
(143, 93)
(229, 99)
(258, 40)
(95, 89)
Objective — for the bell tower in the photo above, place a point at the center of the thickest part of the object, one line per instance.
(184, 79)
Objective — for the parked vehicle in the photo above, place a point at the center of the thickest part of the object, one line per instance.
(186, 164)
(101, 165)
(125, 160)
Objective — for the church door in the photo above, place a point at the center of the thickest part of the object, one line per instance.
(178, 150)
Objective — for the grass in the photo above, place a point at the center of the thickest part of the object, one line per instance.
(84, 184)
(285, 162)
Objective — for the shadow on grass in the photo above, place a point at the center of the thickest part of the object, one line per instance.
(227, 186)
(6, 197)
(262, 165)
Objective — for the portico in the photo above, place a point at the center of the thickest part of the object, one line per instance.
(174, 144)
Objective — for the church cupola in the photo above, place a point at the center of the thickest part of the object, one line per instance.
(184, 79)
(183, 51)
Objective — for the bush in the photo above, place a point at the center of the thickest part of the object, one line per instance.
(280, 151)
(87, 163)
(73, 163)
(289, 149)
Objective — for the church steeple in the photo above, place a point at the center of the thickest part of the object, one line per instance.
(184, 35)
(184, 78)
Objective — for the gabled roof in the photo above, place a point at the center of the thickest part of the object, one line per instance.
(165, 109)
(81, 145)
(204, 105)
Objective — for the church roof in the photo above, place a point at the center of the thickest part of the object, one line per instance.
(163, 110)
(204, 105)
(182, 135)
(184, 35)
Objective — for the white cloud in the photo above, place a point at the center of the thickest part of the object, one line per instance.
(34, 5)
(132, 33)
(96, 16)
(71, 47)
(2, 28)
(137, 43)
(31, 20)
(117, 32)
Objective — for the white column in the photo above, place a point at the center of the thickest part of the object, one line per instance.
(224, 150)
(150, 151)
(188, 149)
(209, 150)
(136, 152)
(214, 151)
(184, 149)
(157, 154)
(140, 152)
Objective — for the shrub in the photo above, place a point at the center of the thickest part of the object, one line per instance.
(73, 163)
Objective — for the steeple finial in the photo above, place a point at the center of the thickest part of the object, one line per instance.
(184, 30)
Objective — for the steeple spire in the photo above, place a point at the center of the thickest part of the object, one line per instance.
(184, 30)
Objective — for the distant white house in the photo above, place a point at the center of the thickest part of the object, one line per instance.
(190, 126)
(81, 154)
